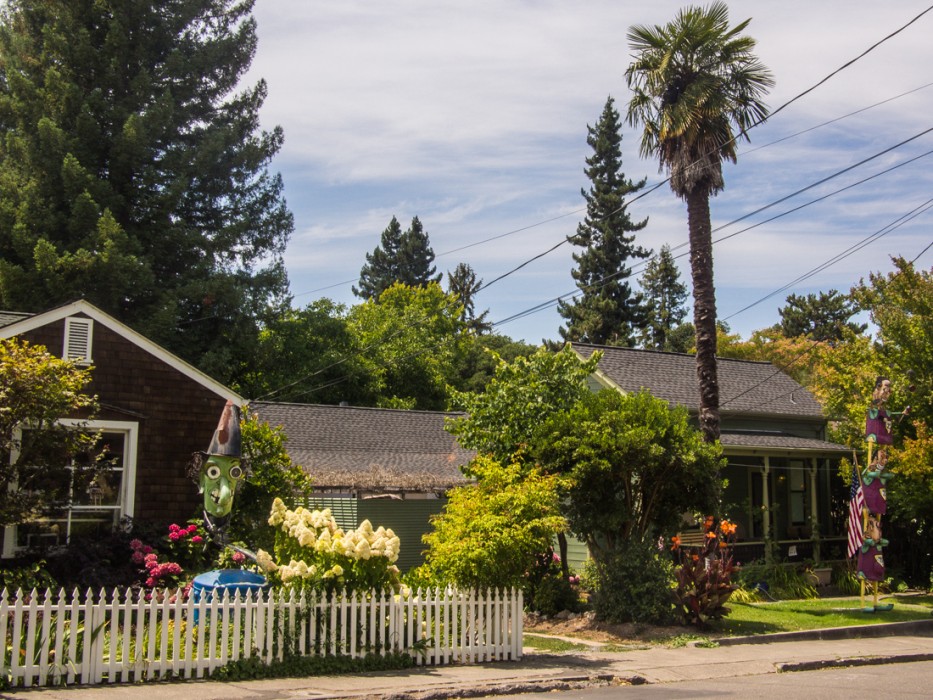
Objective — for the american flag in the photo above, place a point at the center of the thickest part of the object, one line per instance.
(856, 503)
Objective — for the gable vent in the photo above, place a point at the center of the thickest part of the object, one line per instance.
(78, 335)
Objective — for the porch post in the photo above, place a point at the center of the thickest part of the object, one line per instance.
(814, 515)
(766, 509)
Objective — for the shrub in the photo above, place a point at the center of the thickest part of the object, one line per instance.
(632, 584)
(546, 590)
(780, 580)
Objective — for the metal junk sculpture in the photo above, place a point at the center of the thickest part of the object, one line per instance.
(219, 472)
(868, 502)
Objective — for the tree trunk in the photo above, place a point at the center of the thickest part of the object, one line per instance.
(704, 311)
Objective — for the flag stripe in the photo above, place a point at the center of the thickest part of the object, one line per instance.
(856, 504)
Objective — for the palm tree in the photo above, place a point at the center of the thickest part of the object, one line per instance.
(692, 80)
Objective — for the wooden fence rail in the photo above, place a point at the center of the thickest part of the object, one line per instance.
(54, 638)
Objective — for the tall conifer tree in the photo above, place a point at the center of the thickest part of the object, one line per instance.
(399, 257)
(133, 172)
(664, 295)
(608, 312)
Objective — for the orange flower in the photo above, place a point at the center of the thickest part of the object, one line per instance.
(723, 545)
(727, 528)
(708, 525)
(710, 535)
(696, 557)
(675, 542)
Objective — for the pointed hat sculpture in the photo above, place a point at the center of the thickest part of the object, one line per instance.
(226, 441)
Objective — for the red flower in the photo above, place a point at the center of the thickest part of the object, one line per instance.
(197, 539)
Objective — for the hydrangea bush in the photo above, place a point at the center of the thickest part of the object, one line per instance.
(312, 552)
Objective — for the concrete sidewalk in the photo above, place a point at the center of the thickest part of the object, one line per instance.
(544, 672)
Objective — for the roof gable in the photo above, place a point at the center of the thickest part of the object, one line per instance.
(31, 322)
(745, 387)
(348, 446)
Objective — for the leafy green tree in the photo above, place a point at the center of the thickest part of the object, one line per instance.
(502, 421)
(823, 317)
(36, 390)
(411, 341)
(133, 174)
(309, 355)
(403, 258)
(665, 295)
(491, 532)
(693, 80)
(607, 312)
(483, 355)
(631, 466)
(463, 284)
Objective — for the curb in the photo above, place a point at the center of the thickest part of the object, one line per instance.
(922, 628)
(845, 663)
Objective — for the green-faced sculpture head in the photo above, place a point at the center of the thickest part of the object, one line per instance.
(220, 469)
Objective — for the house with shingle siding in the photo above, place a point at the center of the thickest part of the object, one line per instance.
(781, 471)
(155, 411)
(391, 467)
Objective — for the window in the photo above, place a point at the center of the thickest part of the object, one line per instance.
(797, 475)
(78, 335)
(98, 498)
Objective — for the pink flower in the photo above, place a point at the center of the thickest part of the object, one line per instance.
(177, 535)
(197, 539)
(150, 582)
(173, 528)
(151, 559)
(239, 557)
(138, 557)
(192, 528)
(136, 544)
(147, 549)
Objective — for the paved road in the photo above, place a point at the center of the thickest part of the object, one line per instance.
(910, 680)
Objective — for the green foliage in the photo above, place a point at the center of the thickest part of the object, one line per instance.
(133, 172)
(415, 340)
(630, 466)
(272, 474)
(400, 258)
(820, 318)
(502, 421)
(608, 311)
(782, 581)
(482, 356)
(462, 284)
(547, 591)
(633, 584)
(296, 666)
(36, 390)
(26, 576)
(665, 296)
(490, 533)
(704, 575)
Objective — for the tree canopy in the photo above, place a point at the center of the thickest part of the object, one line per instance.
(36, 390)
(630, 467)
(664, 295)
(608, 311)
(824, 317)
(133, 174)
(403, 258)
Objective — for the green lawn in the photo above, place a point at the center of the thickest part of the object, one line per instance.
(793, 615)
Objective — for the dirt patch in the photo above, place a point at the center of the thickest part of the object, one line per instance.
(585, 626)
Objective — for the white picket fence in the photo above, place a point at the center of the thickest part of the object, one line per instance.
(53, 638)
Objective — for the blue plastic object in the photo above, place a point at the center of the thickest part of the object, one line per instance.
(220, 580)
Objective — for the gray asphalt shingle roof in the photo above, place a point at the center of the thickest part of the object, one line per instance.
(744, 386)
(369, 448)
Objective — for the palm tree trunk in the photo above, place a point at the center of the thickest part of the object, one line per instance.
(704, 310)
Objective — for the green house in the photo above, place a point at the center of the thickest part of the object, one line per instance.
(783, 483)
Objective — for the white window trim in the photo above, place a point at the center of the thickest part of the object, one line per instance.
(130, 451)
(69, 352)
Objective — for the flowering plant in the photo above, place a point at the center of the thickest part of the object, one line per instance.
(704, 576)
(321, 555)
(187, 544)
(166, 574)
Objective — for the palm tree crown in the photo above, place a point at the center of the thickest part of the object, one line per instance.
(692, 79)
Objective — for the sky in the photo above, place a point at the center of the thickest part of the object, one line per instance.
(473, 116)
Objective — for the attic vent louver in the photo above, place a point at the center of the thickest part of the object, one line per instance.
(78, 334)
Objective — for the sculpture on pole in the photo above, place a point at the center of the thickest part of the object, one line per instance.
(219, 471)
(869, 502)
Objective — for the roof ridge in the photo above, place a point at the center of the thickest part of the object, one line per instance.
(358, 408)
